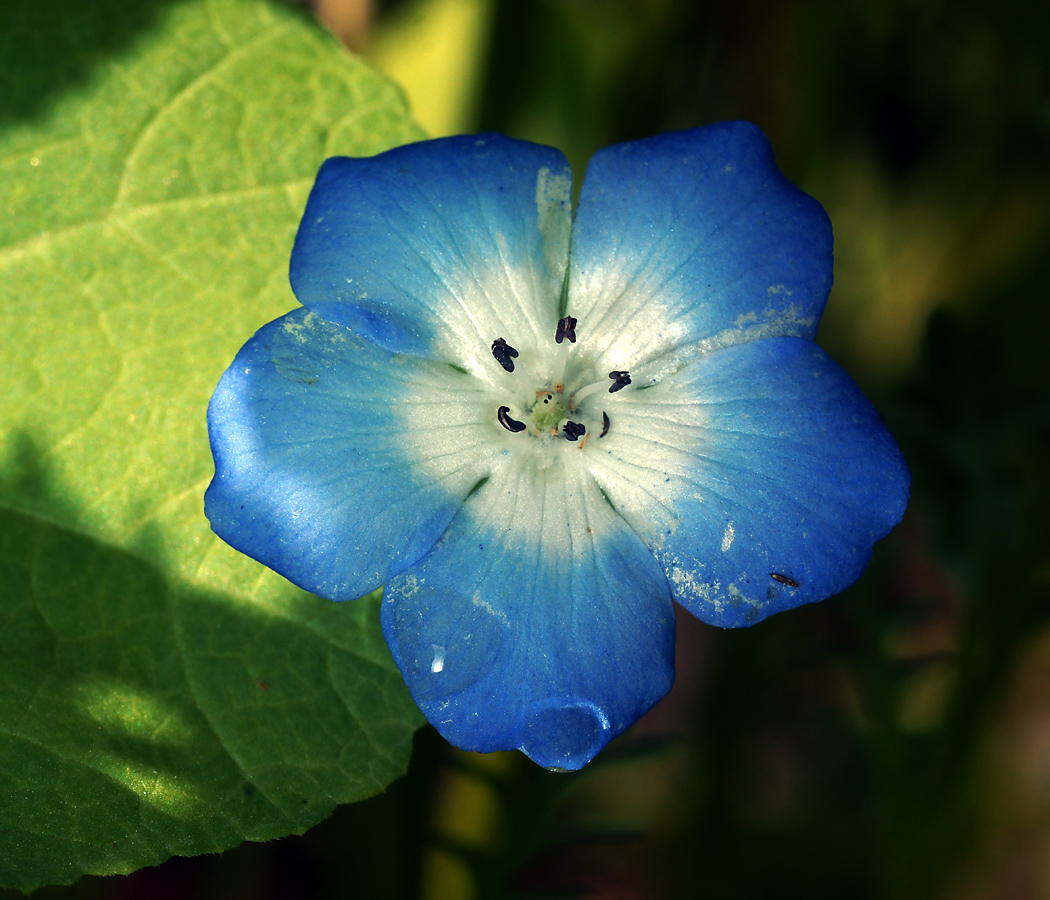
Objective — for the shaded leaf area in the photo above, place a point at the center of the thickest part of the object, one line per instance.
(33, 74)
(365, 849)
(163, 694)
(143, 718)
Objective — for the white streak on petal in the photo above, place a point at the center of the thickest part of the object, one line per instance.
(747, 327)
(488, 607)
(553, 195)
(446, 431)
(727, 538)
(649, 457)
(506, 294)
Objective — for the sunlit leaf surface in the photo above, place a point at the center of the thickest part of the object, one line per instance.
(159, 693)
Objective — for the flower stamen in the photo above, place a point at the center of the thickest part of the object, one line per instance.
(621, 378)
(574, 430)
(566, 329)
(505, 354)
(503, 414)
(605, 424)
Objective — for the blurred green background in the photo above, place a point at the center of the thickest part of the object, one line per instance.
(893, 742)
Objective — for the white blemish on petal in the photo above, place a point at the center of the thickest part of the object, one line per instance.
(686, 585)
(748, 327)
(553, 199)
(684, 582)
(296, 329)
(727, 538)
(551, 190)
(409, 585)
(485, 605)
(439, 658)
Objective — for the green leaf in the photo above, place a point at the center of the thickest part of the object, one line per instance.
(159, 693)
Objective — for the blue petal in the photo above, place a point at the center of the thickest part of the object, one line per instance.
(538, 622)
(694, 240)
(759, 475)
(338, 463)
(440, 247)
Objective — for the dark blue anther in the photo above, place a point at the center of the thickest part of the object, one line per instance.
(620, 380)
(503, 414)
(574, 431)
(566, 329)
(605, 425)
(505, 354)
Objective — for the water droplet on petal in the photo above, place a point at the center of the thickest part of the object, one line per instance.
(563, 735)
(439, 658)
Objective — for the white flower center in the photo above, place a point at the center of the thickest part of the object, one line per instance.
(569, 405)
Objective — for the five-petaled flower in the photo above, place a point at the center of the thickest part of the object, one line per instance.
(536, 429)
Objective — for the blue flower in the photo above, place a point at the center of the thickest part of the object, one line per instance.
(536, 430)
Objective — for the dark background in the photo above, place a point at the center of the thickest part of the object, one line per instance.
(894, 741)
